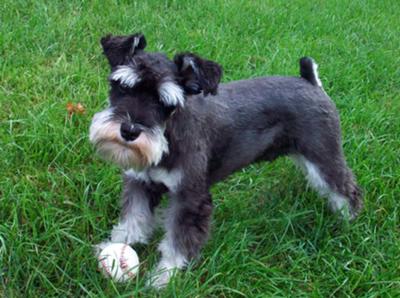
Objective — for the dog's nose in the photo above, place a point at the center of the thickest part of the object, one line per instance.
(129, 132)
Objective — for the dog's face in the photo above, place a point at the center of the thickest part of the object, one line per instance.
(145, 89)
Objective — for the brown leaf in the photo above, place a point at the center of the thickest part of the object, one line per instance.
(75, 108)
(70, 108)
(80, 108)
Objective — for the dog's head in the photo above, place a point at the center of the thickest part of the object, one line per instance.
(145, 89)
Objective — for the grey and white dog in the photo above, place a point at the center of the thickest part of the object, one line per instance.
(170, 137)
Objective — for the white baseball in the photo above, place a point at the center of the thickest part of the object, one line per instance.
(119, 262)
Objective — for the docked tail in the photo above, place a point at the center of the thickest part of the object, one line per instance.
(309, 71)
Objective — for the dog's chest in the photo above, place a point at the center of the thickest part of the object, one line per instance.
(170, 179)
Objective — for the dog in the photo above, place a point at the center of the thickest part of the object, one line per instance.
(174, 129)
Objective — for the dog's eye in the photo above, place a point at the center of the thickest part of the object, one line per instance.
(116, 85)
(123, 89)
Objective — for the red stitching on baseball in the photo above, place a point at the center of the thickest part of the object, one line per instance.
(104, 265)
(124, 264)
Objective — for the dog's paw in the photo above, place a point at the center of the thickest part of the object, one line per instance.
(158, 280)
(160, 277)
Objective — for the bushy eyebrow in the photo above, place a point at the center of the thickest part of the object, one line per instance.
(125, 75)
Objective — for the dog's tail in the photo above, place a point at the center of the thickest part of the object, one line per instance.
(309, 71)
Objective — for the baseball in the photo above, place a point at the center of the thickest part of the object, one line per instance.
(119, 262)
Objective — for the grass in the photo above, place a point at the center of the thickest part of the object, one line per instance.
(271, 235)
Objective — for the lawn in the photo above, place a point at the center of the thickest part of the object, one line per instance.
(271, 234)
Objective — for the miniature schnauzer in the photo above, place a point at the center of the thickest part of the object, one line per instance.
(169, 137)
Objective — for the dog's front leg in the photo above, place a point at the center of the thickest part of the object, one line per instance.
(187, 224)
(136, 223)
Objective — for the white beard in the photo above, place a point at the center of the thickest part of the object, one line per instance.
(146, 150)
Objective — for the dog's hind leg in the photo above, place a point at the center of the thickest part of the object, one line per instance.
(334, 181)
(332, 178)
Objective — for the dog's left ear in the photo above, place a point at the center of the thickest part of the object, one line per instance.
(197, 74)
(118, 48)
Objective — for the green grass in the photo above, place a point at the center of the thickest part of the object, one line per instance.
(271, 235)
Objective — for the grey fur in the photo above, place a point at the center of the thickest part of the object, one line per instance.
(247, 121)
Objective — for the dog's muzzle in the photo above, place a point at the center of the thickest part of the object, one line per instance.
(126, 144)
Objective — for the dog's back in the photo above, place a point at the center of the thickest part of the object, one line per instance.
(261, 118)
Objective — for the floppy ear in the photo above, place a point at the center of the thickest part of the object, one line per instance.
(118, 48)
(197, 74)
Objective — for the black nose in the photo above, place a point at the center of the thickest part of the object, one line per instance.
(129, 132)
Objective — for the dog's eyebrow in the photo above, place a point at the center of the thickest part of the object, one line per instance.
(171, 94)
(126, 75)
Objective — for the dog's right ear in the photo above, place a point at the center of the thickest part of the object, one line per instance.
(197, 75)
(118, 48)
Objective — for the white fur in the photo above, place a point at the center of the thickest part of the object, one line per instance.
(171, 94)
(315, 71)
(101, 130)
(312, 173)
(315, 178)
(98, 120)
(337, 202)
(138, 175)
(104, 131)
(137, 223)
(126, 75)
(160, 145)
(136, 229)
(135, 42)
(170, 179)
(118, 154)
(171, 260)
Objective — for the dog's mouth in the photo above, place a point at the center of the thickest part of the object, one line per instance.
(127, 144)
(127, 154)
